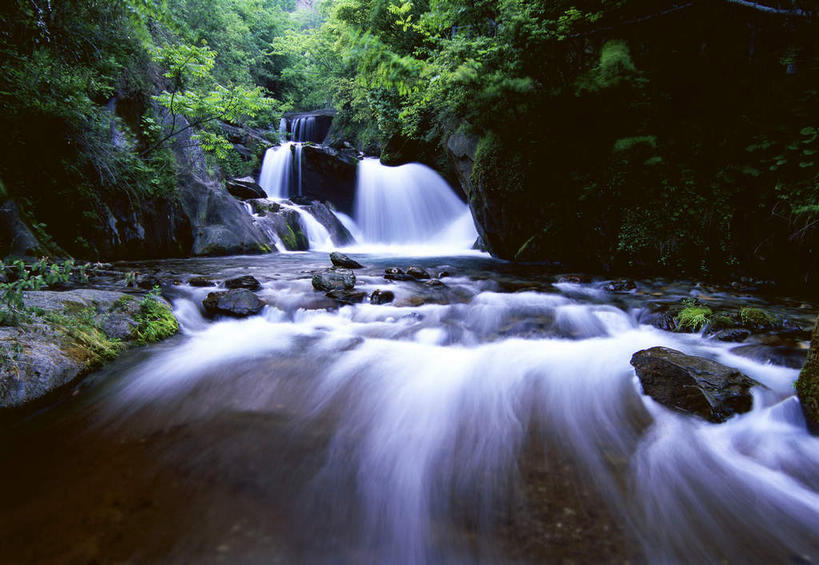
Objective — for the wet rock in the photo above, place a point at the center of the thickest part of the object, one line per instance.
(620, 286)
(417, 272)
(382, 296)
(262, 206)
(341, 260)
(776, 355)
(16, 239)
(148, 282)
(807, 386)
(339, 235)
(238, 302)
(396, 274)
(200, 282)
(334, 279)
(347, 296)
(434, 283)
(443, 274)
(733, 335)
(245, 188)
(693, 385)
(574, 279)
(245, 281)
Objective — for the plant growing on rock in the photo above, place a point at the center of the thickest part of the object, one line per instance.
(35, 276)
(155, 321)
(693, 317)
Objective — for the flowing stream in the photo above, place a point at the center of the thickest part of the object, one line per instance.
(492, 419)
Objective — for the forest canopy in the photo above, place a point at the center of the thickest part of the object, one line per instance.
(671, 136)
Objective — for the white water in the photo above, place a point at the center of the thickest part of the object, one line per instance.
(430, 406)
(410, 205)
(298, 148)
(277, 165)
(305, 129)
(282, 129)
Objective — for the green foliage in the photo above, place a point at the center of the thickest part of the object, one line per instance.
(693, 316)
(22, 277)
(155, 321)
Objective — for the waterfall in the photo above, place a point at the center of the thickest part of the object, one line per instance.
(299, 147)
(305, 129)
(283, 128)
(410, 204)
(276, 168)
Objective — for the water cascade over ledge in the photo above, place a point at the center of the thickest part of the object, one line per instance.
(410, 205)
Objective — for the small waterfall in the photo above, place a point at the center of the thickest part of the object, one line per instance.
(305, 129)
(410, 204)
(276, 169)
(317, 235)
(299, 147)
(283, 129)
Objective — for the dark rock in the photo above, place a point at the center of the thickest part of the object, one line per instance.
(776, 355)
(693, 385)
(621, 286)
(148, 282)
(200, 282)
(382, 296)
(329, 175)
(574, 279)
(339, 234)
(300, 200)
(286, 225)
(219, 224)
(417, 272)
(334, 279)
(347, 296)
(479, 245)
(264, 206)
(396, 274)
(443, 274)
(238, 302)
(807, 386)
(734, 335)
(245, 188)
(16, 239)
(434, 283)
(245, 281)
(341, 260)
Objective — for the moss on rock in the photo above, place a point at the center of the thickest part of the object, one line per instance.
(807, 386)
(155, 321)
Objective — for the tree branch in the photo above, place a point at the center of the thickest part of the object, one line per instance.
(771, 9)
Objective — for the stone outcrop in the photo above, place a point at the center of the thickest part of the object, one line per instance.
(329, 175)
(245, 188)
(75, 332)
(807, 386)
(16, 238)
(693, 385)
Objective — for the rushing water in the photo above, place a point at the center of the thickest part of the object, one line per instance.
(495, 419)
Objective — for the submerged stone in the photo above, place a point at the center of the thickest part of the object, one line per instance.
(693, 385)
(417, 272)
(347, 296)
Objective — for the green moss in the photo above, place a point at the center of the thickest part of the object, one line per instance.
(90, 344)
(693, 317)
(722, 322)
(123, 302)
(807, 386)
(264, 248)
(155, 321)
(756, 318)
(289, 239)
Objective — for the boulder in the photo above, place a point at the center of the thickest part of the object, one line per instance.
(334, 279)
(693, 385)
(285, 224)
(732, 335)
(200, 282)
(341, 260)
(396, 274)
(347, 296)
(16, 239)
(417, 272)
(382, 296)
(807, 386)
(245, 281)
(238, 302)
(245, 188)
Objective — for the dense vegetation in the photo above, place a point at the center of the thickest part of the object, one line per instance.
(674, 137)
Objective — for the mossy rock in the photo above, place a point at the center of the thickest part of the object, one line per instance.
(807, 386)
(155, 321)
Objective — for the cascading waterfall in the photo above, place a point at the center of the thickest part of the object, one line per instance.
(277, 167)
(304, 129)
(410, 204)
(282, 128)
(298, 149)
